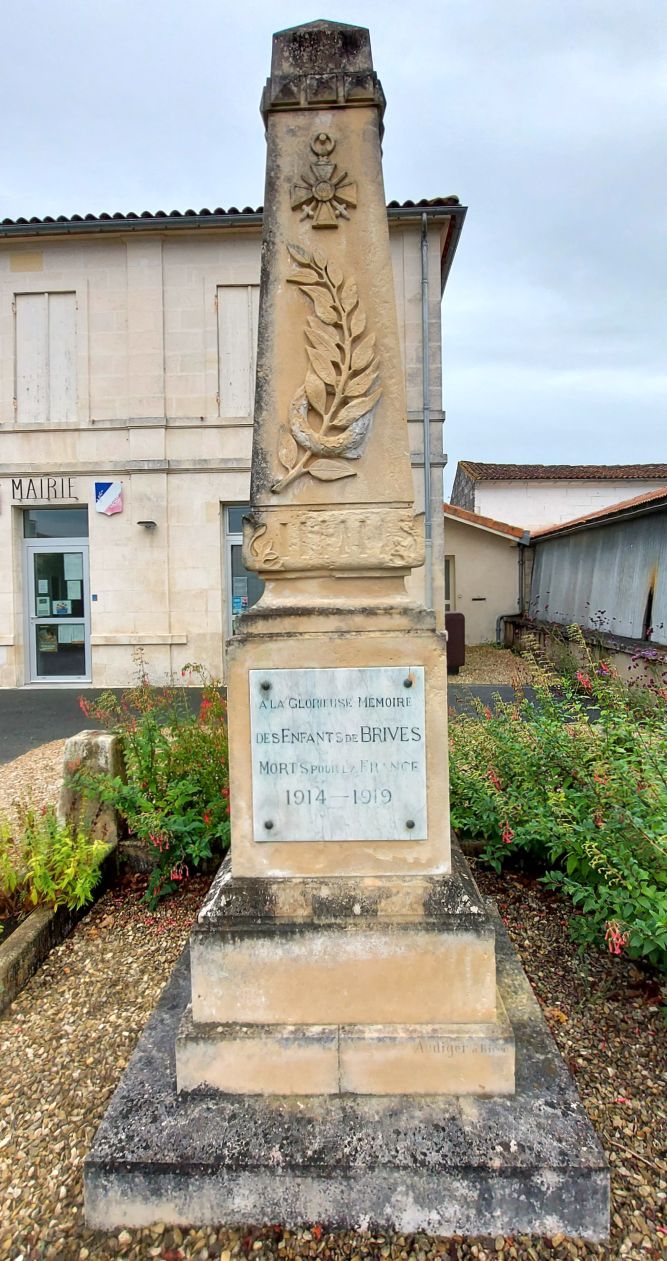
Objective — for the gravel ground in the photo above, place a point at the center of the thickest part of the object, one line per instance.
(487, 664)
(66, 1040)
(35, 776)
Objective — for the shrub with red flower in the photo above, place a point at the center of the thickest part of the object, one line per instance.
(175, 794)
(615, 939)
(578, 792)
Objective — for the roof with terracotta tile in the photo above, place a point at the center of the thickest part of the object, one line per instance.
(626, 507)
(562, 472)
(483, 523)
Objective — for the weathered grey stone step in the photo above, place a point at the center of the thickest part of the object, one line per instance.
(530, 1162)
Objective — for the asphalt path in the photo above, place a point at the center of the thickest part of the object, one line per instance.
(33, 716)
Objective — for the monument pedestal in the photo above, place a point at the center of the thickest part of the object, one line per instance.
(447, 1164)
(337, 986)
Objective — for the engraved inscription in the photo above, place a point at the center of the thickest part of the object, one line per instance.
(311, 539)
(331, 414)
(338, 755)
(450, 1047)
(323, 196)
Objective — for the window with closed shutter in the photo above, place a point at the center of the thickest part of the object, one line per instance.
(46, 332)
(238, 307)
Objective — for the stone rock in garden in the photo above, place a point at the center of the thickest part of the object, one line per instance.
(95, 752)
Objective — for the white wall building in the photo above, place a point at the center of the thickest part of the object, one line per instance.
(534, 495)
(127, 349)
(484, 562)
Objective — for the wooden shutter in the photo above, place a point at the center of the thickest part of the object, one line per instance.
(45, 357)
(238, 307)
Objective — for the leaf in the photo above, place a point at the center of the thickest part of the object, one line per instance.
(357, 323)
(350, 296)
(300, 255)
(323, 308)
(303, 276)
(364, 353)
(330, 470)
(360, 384)
(287, 448)
(335, 274)
(352, 411)
(322, 365)
(320, 258)
(323, 341)
(316, 392)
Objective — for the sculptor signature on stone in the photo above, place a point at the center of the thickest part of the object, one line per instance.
(331, 414)
(323, 196)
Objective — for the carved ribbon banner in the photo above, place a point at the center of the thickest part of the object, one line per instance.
(331, 414)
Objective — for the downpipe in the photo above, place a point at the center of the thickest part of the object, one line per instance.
(426, 403)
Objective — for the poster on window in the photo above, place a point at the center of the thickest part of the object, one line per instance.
(47, 639)
(73, 562)
(62, 608)
(43, 606)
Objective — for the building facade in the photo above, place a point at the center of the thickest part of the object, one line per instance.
(535, 495)
(127, 364)
(484, 562)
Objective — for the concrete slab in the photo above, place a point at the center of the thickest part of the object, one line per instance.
(529, 1163)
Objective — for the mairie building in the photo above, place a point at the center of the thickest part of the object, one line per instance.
(127, 369)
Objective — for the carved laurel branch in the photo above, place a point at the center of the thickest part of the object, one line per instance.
(331, 414)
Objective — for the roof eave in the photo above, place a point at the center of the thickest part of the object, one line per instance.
(250, 219)
(610, 518)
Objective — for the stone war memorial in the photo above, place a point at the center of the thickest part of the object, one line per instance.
(352, 1039)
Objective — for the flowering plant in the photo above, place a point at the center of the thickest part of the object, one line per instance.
(573, 781)
(175, 795)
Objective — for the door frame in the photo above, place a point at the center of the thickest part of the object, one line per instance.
(30, 547)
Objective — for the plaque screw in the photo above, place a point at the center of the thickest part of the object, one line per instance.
(268, 824)
(265, 686)
(407, 682)
(409, 823)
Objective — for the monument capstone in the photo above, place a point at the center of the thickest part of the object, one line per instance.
(354, 1040)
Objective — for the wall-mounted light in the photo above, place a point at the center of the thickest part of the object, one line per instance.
(148, 525)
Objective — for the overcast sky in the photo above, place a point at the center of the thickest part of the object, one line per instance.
(546, 117)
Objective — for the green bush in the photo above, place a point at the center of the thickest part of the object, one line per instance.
(44, 862)
(176, 793)
(575, 782)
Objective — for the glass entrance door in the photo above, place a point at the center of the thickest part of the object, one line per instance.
(59, 611)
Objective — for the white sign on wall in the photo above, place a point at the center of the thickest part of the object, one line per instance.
(338, 755)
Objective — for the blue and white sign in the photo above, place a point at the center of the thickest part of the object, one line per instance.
(108, 497)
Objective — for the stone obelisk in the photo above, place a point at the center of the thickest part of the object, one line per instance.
(332, 529)
(343, 1053)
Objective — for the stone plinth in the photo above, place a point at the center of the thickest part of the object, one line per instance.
(409, 644)
(367, 985)
(525, 1163)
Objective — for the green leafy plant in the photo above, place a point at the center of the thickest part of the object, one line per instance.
(47, 863)
(574, 781)
(175, 795)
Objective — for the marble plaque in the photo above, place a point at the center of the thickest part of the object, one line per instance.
(338, 755)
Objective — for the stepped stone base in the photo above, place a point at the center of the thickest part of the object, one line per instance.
(346, 1059)
(345, 985)
(524, 1163)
